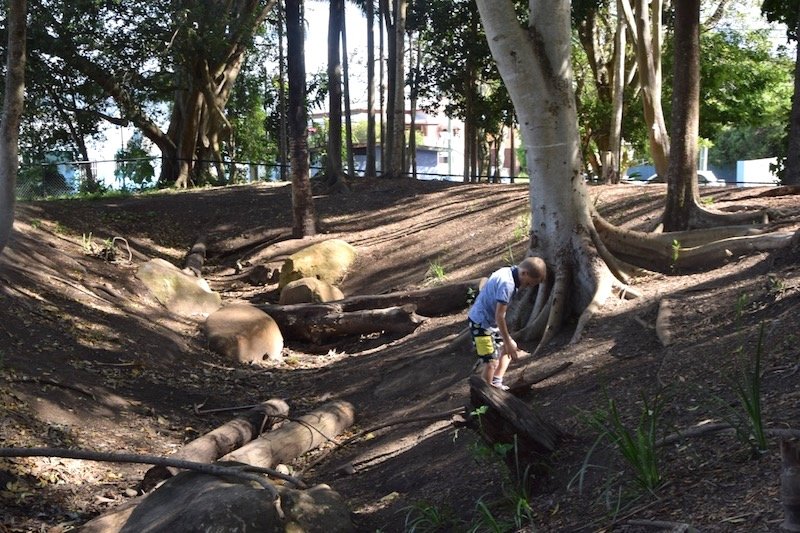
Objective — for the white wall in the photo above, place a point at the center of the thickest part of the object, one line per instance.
(756, 173)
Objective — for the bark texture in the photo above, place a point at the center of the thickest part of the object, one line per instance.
(13, 103)
(295, 438)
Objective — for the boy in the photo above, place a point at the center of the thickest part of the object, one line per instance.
(487, 317)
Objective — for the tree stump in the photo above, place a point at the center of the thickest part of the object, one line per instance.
(508, 420)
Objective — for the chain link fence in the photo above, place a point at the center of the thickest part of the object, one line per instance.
(64, 179)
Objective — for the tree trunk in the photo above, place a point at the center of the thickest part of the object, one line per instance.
(412, 132)
(348, 114)
(283, 150)
(335, 175)
(13, 103)
(222, 441)
(647, 42)
(303, 217)
(682, 191)
(295, 438)
(612, 166)
(318, 323)
(792, 166)
(534, 63)
(395, 134)
(371, 169)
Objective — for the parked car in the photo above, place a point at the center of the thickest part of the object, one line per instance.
(705, 178)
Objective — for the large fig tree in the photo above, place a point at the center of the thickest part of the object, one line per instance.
(586, 255)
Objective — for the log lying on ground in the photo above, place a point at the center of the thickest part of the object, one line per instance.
(435, 301)
(320, 322)
(508, 420)
(284, 444)
(222, 440)
(297, 437)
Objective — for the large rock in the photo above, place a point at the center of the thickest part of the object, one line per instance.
(309, 290)
(179, 292)
(327, 260)
(244, 333)
(191, 502)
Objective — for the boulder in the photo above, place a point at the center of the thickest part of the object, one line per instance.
(179, 292)
(192, 502)
(244, 333)
(309, 290)
(327, 260)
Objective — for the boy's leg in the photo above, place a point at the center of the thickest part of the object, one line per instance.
(489, 369)
(502, 366)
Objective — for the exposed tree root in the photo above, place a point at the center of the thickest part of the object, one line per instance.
(689, 250)
(605, 262)
(702, 218)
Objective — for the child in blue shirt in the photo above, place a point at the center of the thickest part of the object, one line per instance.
(487, 317)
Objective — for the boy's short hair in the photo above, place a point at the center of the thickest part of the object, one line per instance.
(534, 266)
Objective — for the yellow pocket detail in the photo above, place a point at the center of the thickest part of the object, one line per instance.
(484, 345)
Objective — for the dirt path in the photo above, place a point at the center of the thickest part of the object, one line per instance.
(88, 359)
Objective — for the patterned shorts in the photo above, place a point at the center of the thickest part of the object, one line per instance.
(487, 342)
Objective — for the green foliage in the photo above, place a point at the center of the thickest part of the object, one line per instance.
(472, 294)
(424, 518)
(134, 164)
(523, 228)
(747, 384)
(436, 272)
(636, 446)
(676, 252)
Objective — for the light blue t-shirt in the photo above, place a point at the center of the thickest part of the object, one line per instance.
(499, 288)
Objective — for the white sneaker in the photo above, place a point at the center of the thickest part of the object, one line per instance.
(500, 386)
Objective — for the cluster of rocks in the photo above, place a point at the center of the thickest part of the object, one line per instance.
(241, 331)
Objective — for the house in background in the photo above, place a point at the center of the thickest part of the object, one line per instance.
(440, 144)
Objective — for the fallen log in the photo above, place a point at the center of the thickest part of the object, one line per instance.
(288, 442)
(434, 301)
(222, 440)
(318, 323)
(296, 437)
(509, 420)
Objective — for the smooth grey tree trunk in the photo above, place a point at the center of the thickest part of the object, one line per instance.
(13, 104)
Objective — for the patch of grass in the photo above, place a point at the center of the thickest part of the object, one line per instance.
(523, 228)
(436, 272)
(36, 223)
(424, 518)
(637, 446)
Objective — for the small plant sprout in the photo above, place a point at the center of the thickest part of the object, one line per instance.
(523, 228)
(436, 272)
(747, 385)
(676, 252)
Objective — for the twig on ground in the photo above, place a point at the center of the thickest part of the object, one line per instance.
(54, 383)
(245, 472)
(674, 527)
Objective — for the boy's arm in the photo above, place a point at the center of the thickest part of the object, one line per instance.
(500, 319)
